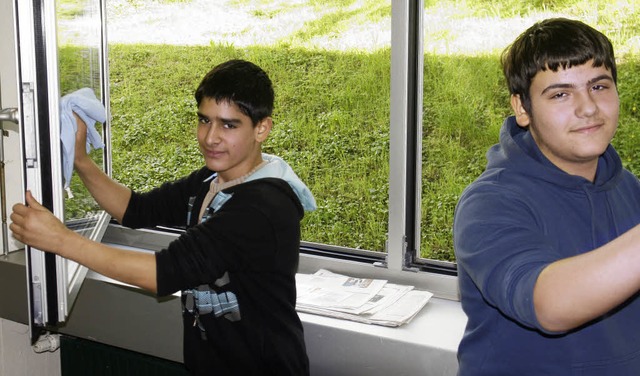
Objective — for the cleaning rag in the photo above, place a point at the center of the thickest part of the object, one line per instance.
(84, 103)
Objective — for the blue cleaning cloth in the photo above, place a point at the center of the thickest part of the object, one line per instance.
(84, 103)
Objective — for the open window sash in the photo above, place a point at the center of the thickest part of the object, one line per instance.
(53, 282)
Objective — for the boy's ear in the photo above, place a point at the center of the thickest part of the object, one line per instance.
(522, 117)
(263, 128)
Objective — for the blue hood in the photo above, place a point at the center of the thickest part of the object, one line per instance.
(518, 150)
(276, 167)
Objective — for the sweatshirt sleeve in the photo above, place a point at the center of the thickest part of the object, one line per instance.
(167, 205)
(500, 244)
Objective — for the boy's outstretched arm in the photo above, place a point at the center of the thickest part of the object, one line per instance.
(573, 291)
(36, 226)
(109, 194)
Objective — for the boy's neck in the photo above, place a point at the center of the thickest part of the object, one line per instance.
(221, 180)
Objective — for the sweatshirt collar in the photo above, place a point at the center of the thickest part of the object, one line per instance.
(276, 167)
(518, 149)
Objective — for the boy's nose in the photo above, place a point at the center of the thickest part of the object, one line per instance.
(587, 105)
(213, 135)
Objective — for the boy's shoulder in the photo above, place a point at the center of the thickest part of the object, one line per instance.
(269, 190)
(269, 187)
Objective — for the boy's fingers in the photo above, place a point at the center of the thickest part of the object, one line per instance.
(32, 202)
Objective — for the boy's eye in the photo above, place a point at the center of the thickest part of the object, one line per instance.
(203, 120)
(229, 126)
(559, 95)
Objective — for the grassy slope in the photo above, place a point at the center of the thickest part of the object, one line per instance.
(332, 121)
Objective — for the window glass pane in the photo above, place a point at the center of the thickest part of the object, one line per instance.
(330, 65)
(466, 100)
(79, 31)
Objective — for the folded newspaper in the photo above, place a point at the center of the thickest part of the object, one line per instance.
(370, 301)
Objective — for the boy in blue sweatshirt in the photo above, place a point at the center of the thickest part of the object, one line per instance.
(547, 239)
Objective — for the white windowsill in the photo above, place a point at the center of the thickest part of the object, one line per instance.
(425, 346)
(130, 318)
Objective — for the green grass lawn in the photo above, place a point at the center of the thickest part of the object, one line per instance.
(332, 112)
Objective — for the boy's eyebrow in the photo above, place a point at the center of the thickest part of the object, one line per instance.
(600, 78)
(223, 120)
(590, 82)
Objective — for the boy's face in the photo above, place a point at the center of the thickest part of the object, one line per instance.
(228, 141)
(574, 116)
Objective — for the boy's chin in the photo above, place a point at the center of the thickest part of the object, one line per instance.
(213, 166)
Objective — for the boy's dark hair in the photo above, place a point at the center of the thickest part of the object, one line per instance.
(553, 44)
(240, 82)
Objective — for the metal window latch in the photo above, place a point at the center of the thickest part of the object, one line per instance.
(9, 114)
(6, 114)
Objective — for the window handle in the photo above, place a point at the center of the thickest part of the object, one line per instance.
(9, 114)
(6, 114)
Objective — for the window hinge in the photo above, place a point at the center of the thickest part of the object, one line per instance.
(48, 342)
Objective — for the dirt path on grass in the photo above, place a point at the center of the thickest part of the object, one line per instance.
(201, 22)
(267, 23)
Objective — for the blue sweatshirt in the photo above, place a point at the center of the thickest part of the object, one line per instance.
(522, 214)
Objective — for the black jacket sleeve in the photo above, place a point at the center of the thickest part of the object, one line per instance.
(167, 205)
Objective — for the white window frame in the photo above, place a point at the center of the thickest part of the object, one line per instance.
(53, 282)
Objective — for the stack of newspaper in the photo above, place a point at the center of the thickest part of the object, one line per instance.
(371, 301)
